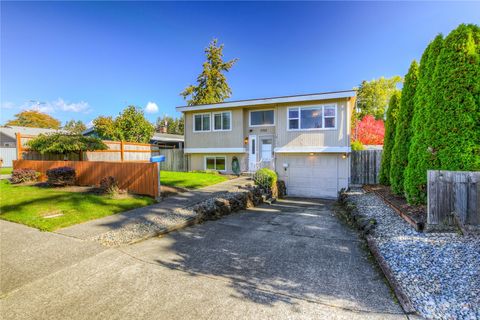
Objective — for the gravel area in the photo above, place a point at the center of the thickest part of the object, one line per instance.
(439, 272)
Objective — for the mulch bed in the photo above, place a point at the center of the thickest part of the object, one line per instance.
(414, 215)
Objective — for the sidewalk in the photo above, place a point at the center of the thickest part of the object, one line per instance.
(142, 223)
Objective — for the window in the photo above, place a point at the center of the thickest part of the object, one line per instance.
(312, 118)
(215, 163)
(201, 122)
(222, 121)
(262, 118)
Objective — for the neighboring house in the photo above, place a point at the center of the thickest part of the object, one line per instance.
(163, 140)
(8, 141)
(304, 138)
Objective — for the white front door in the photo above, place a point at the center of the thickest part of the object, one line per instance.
(266, 150)
(252, 152)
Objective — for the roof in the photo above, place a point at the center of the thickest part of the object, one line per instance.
(167, 137)
(12, 130)
(260, 101)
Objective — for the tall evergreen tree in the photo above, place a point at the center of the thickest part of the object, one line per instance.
(212, 86)
(419, 159)
(389, 139)
(454, 130)
(403, 130)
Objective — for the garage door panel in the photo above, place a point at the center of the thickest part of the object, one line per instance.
(312, 176)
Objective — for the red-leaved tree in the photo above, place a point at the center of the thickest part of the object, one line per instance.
(369, 130)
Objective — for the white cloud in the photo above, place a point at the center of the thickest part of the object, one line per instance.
(51, 106)
(151, 107)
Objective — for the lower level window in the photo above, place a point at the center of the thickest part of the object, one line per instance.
(215, 163)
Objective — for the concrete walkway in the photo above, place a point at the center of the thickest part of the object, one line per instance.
(146, 215)
(292, 260)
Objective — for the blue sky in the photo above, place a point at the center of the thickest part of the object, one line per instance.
(85, 59)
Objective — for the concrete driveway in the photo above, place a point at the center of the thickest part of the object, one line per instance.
(291, 260)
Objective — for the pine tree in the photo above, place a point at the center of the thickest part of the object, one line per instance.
(389, 139)
(212, 86)
(419, 159)
(454, 131)
(403, 130)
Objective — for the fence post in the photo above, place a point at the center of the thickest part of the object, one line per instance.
(19, 145)
(122, 151)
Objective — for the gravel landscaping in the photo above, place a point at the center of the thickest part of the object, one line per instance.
(439, 272)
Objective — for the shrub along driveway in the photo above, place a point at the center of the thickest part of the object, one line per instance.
(291, 260)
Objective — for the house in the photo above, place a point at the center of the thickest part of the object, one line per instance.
(8, 141)
(304, 138)
(161, 139)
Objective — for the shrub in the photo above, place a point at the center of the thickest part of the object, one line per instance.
(357, 146)
(266, 179)
(24, 175)
(109, 185)
(454, 133)
(403, 130)
(419, 159)
(389, 139)
(62, 176)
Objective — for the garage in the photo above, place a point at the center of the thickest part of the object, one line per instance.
(313, 175)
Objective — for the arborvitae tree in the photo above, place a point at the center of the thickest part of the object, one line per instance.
(389, 139)
(403, 130)
(419, 159)
(454, 130)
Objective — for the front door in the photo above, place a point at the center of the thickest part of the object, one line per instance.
(252, 153)
(266, 150)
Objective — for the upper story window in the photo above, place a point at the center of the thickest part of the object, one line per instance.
(262, 118)
(312, 118)
(222, 121)
(201, 122)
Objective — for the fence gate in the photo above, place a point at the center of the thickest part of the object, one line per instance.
(365, 166)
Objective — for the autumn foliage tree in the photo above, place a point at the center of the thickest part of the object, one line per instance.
(370, 131)
(34, 119)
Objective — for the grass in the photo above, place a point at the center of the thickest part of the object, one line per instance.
(30, 205)
(6, 170)
(190, 180)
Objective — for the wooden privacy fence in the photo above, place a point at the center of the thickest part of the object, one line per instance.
(453, 198)
(136, 177)
(365, 166)
(117, 151)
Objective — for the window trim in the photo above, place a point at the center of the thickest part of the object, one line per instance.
(260, 125)
(193, 124)
(214, 156)
(213, 122)
(322, 106)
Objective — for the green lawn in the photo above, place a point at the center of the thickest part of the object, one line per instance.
(29, 205)
(190, 180)
(6, 170)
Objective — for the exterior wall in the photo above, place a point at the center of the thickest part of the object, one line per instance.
(6, 141)
(215, 139)
(197, 161)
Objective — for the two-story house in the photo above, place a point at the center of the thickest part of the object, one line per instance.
(304, 138)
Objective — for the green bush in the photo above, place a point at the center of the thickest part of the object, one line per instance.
(23, 175)
(403, 130)
(357, 145)
(454, 130)
(266, 178)
(389, 139)
(419, 159)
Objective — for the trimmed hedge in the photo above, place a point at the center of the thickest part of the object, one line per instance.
(403, 130)
(389, 139)
(419, 159)
(23, 175)
(61, 176)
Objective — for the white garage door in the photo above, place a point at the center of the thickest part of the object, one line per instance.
(313, 176)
